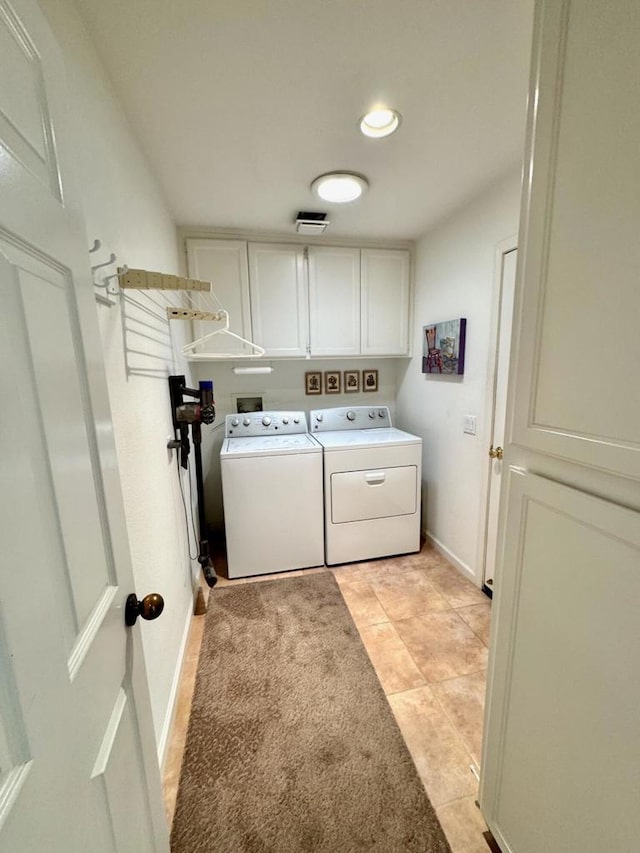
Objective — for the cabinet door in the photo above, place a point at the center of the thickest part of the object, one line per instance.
(279, 304)
(334, 301)
(224, 264)
(385, 302)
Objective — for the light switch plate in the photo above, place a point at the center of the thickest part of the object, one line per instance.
(470, 424)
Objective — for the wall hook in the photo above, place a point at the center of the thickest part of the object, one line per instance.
(111, 260)
(96, 245)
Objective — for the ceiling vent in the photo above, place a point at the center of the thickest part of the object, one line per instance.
(311, 223)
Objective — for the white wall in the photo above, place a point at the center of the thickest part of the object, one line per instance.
(124, 208)
(282, 389)
(455, 271)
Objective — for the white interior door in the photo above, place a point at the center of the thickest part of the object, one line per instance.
(561, 748)
(78, 770)
(505, 317)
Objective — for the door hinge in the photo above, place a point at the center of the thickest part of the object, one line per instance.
(305, 253)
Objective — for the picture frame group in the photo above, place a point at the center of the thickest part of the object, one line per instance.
(318, 382)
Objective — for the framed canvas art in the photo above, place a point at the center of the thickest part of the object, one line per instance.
(443, 347)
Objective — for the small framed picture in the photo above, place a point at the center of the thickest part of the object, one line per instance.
(369, 380)
(332, 381)
(313, 382)
(351, 381)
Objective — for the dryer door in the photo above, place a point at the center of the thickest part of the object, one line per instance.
(374, 493)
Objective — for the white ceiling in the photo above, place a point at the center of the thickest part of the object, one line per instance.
(239, 104)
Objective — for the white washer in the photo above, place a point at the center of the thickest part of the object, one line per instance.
(272, 492)
(372, 484)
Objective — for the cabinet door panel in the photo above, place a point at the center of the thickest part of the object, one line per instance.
(224, 264)
(385, 302)
(279, 304)
(334, 297)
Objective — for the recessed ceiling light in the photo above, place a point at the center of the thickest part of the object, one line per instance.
(339, 187)
(380, 122)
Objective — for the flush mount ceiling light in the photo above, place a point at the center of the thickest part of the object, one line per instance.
(380, 122)
(339, 187)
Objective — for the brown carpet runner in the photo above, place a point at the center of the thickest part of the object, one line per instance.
(292, 746)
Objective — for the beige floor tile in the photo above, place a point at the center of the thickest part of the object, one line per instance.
(463, 701)
(457, 590)
(463, 825)
(407, 594)
(392, 662)
(366, 571)
(364, 607)
(442, 645)
(437, 751)
(478, 618)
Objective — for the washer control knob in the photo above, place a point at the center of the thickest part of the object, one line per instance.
(320, 417)
(246, 422)
(372, 414)
(285, 420)
(296, 420)
(381, 413)
(351, 415)
(266, 421)
(235, 422)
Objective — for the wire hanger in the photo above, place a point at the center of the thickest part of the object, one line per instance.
(188, 349)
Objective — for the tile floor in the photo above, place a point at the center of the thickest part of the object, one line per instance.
(426, 630)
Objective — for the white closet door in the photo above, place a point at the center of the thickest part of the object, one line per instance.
(385, 302)
(561, 750)
(334, 301)
(224, 264)
(279, 303)
(78, 766)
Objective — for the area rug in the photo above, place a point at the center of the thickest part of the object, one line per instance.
(292, 746)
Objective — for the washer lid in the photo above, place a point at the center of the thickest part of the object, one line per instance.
(264, 445)
(356, 438)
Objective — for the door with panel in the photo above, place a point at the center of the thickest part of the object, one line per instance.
(561, 749)
(78, 767)
(508, 261)
(279, 298)
(334, 300)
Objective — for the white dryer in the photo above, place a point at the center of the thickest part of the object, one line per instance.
(372, 484)
(272, 493)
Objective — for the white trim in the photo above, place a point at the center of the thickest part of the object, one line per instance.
(462, 567)
(172, 703)
(509, 244)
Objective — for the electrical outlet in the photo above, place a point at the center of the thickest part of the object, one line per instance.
(470, 424)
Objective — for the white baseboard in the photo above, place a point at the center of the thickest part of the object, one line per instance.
(163, 743)
(462, 567)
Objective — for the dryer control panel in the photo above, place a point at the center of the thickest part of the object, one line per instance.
(264, 423)
(350, 417)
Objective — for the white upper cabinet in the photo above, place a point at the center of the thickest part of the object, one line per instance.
(297, 301)
(334, 301)
(224, 264)
(385, 302)
(279, 303)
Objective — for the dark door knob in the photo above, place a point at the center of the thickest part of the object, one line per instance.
(150, 607)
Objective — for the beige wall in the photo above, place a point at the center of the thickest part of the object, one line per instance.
(455, 274)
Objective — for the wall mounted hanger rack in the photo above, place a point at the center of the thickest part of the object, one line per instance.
(202, 305)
